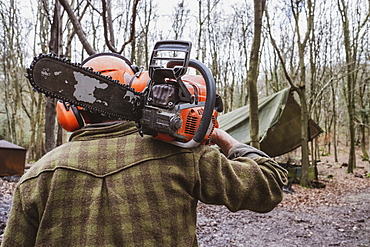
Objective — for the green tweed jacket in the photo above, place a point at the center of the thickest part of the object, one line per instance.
(109, 186)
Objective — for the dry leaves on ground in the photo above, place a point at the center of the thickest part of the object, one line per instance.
(338, 184)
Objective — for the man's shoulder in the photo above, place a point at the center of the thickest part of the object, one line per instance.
(48, 162)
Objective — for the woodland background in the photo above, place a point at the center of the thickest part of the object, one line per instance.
(319, 48)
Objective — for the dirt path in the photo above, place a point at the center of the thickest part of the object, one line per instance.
(337, 215)
(336, 225)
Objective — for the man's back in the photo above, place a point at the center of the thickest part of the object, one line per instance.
(111, 187)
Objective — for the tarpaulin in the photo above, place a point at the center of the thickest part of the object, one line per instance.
(279, 123)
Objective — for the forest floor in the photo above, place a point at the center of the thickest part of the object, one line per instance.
(337, 215)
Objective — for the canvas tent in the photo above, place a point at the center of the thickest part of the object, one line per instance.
(12, 159)
(279, 124)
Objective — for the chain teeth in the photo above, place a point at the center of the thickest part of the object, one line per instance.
(92, 109)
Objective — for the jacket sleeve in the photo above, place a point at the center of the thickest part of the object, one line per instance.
(21, 229)
(247, 179)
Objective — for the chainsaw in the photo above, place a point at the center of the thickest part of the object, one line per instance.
(174, 106)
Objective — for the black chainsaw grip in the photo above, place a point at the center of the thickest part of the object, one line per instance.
(210, 99)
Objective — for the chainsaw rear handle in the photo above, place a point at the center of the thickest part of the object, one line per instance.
(208, 107)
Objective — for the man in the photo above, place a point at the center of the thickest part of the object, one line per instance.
(109, 186)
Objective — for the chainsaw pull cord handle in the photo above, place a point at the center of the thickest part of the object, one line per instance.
(208, 107)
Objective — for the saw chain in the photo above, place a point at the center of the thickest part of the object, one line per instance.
(84, 87)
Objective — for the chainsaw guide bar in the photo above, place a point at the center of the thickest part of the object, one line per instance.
(81, 86)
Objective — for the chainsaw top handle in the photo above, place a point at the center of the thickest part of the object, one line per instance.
(169, 50)
(208, 107)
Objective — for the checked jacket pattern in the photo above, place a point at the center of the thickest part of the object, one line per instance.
(109, 186)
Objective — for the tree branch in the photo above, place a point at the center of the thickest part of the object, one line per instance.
(70, 38)
(77, 26)
(106, 25)
(273, 42)
(132, 29)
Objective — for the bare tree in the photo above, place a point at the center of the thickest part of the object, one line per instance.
(351, 37)
(78, 28)
(12, 78)
(181, 16)
(364, 114)
(203, 17)
(107, 18)
(149, 15)
(22, 106)
(71, 31)
(36, 110)
(259, 7)
(55, 46)
(300, 86)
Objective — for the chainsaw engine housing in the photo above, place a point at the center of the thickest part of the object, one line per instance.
(179, 123)
(179, 108)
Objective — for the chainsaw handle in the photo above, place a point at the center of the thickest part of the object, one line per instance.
(208, 107)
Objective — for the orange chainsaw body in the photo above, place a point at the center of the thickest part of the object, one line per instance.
(190, 115)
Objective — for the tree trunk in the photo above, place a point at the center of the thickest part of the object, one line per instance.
(50, 124)
(54, 47)
(350, 83)
(335, 142)
(363, 92)
(304, 181)
(200, 31)
(300, 88)
(108, 25)
(252, 76)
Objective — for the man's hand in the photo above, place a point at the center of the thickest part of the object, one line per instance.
(223, 140)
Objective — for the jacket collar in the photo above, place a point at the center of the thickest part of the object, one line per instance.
(104, 130)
